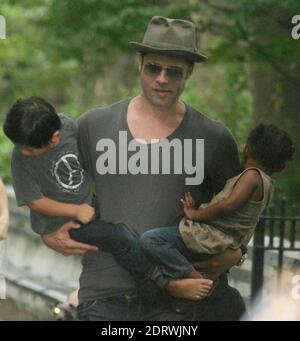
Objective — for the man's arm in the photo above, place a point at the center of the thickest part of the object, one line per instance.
(248, 237)
(4, 212)
(221, 263)
(84, 212)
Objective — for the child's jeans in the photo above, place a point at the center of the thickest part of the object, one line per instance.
(125, 246)
(169, 257)
(118, 240)
(166, 247)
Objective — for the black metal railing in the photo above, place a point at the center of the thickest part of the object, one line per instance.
(281, 231)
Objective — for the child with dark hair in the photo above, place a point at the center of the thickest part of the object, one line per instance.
(49, 179)
(45, 165)
(231, 214)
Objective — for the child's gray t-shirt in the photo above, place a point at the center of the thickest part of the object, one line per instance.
(56, 174)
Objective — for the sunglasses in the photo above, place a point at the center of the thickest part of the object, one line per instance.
(171, 73)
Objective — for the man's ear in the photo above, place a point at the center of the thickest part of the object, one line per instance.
(139, 58)
(190, 70)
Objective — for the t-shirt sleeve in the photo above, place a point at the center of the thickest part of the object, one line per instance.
(226, 162)
(69, 123)
(83, 144)
(25, 185)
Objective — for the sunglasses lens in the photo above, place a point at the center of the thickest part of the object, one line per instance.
(152, 69)
(174, 73)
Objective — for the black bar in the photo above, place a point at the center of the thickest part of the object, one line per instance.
(279, 217)
(281, 241)
(277, 248)
(293, 229)
(258, 259)
(272, 213)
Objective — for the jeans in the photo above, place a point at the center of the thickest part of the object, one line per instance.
(118, 308)
(225, 304)
(159, 254)
(118, 240)
(166, 247)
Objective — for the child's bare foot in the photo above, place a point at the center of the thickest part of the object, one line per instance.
(190, 289)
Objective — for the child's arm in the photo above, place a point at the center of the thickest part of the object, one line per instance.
(4, 213)
(242, 192)
(84, 212)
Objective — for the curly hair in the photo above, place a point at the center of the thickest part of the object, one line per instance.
(271, 146)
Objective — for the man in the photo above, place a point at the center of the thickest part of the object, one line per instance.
(127, 149)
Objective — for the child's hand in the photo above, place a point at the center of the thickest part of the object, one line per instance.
(189, 206)
(188, 200)
(190, 213)
(85, 213)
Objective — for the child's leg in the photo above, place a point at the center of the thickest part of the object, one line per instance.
(166, 247)
(118, 240)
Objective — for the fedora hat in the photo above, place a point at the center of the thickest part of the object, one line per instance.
(171, 37)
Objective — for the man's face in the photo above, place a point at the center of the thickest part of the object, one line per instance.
(163, 78)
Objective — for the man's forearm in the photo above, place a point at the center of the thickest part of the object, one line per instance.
(220, 263)
(248, 237)
(51, 207)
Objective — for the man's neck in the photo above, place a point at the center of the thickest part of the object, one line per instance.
(141, 105)
(148, 122)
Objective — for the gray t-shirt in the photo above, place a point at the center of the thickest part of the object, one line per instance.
(143, 198)
(56, 174)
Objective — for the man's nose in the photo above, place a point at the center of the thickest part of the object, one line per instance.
(162, 77)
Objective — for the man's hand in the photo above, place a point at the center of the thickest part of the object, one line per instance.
(61, 242)
(220, 263)
(85, 213)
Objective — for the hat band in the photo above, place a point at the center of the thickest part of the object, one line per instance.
(166, 46)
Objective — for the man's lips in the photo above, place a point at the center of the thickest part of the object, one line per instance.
(162, 92)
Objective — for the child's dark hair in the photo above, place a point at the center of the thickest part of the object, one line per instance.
(271, 146)
(31, 122)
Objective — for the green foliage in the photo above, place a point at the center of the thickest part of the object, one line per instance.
(225, 97)
(6, 149)
(63, 50)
